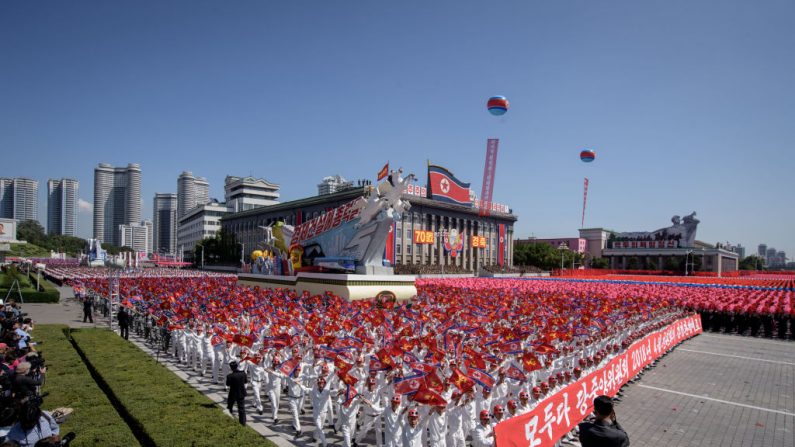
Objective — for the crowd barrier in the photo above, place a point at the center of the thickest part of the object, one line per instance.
(561, 412)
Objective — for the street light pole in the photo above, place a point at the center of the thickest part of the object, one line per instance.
(561, 247)
(202, 246)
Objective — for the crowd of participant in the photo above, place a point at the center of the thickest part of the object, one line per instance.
(445, 367)
(22, 373)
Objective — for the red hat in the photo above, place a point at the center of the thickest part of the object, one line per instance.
(577, 369)
(536, 389)
(583, 362)
(523, 394)
(484, 414)
(499, 409)
(544, 385)
(552, 380)
(324, 368)
(396, 398)
(413, 413)
(512, 404)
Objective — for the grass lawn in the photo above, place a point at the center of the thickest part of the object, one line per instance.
(69, 384)
(168, 410)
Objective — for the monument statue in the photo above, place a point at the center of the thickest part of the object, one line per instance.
(683, 231)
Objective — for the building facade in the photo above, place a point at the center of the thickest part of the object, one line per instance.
(199, 223)
(117, 200)
(164, 223)
(191, 192)
(135, 236)
(418, 236)
(332, 184)
(19, 198)
(577, 244)
(62, 206)
(246, 193)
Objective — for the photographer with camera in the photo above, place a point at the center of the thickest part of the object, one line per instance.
(33, 426)
(25, 383)
(604, 431)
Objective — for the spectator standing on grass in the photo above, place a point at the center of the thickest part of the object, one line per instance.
(604, 431)
(124, 323)
(236, 382)
(87, 310)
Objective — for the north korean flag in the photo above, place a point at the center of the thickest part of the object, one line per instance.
(409, 385)
(443, 186)
(483, 378)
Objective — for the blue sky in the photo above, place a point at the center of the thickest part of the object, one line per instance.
(689, 104)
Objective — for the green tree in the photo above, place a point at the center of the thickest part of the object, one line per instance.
(32, 232)
(752, 262)
(633, 263)
(544, 256)
(600, 263)
(221, 249)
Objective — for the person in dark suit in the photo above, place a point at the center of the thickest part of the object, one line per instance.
(236, 381)
(604, 431)
(124, 323)
(87, 310)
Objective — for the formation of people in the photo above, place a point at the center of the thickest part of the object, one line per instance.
(445, 367)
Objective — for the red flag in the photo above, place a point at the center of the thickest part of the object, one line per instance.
(429, 397)
(383, 172)
(342, 365)
(515, 373)
(530, 362)
(350, 394)
(545, 348)
(445, 187)
(347, 378)
(461, 381)
(481, 377)
(243, 340)
(433, 382)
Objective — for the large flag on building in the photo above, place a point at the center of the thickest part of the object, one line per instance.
(443, 186)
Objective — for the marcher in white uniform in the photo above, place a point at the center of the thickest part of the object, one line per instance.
(413, 429)
(483, 434)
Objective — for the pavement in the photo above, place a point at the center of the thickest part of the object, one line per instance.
(713, 390)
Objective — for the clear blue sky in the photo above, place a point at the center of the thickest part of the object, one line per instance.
(689, 104)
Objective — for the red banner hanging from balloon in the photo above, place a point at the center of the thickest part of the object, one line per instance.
(488, 175)
(584, 201)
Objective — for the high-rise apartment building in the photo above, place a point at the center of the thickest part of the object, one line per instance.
(62, 206)
(19, 198)
(135, 236)
(6, 198)
(117, 200)
(332, 184)
(164, 223)
(761, 250)
(191, 192)
(245, 193)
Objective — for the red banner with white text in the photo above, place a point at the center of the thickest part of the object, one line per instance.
(558, 414)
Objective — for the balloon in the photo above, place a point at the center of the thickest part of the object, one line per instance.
(256, 254)
(497, 105)
(587, 155)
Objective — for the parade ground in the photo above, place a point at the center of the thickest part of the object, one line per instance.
(715, 390)
(712, 390)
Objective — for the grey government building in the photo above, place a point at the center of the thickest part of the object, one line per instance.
(425, 214)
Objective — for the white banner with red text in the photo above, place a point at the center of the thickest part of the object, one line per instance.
(559, 413)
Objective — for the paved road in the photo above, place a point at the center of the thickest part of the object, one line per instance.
(715, 390)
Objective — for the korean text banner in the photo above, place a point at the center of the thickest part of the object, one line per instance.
(558, 414)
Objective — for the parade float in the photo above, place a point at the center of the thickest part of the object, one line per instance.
(341, 251)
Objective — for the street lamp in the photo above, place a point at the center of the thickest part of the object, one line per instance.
(242, 254)
(562, 247)
(690, 252)
(202, 264)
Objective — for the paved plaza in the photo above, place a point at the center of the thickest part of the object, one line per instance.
(712, 390)
(715, 390)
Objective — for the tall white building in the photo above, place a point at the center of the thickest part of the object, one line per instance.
(191, 191)
(19, 198)
(117, 200)
(164, 223)
(135, 236)
(332, 184)
(199, 223)
(245, 193)
(62, 206)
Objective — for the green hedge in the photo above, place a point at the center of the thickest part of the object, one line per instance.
(69, 384)
(169, 411)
